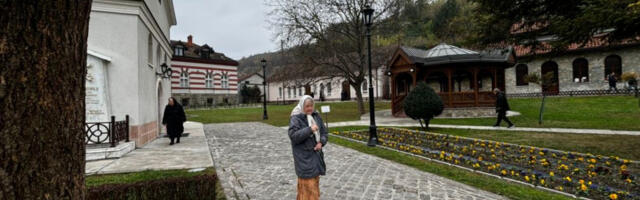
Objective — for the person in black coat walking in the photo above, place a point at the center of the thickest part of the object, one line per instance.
(172, 120)
(502, 106)
(612, 81)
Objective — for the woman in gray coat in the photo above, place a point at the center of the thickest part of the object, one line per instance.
(308, 136)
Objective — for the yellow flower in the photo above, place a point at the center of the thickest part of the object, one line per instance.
(512, 172)
(623, 168)
(480, 158)
(613, 196)
(593, 160)
(526, 178)
(541, 181)
(583, 187)
(567, 178)
(581, 181)
(628, 180)
(589, 183)
(551, 174)
(503, 172)
(542, 153)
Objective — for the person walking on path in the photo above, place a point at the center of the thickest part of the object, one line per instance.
(173, 119)
(308, 135)
(502, 106)
(612, 81)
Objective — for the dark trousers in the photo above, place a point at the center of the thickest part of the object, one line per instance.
(503, 115)
(613, 87)
(175, 136)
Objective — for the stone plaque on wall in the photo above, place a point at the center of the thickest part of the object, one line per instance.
(96, 93)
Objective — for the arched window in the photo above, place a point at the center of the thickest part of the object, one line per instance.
(184, 79)
(208, 80)
(580, 70)
(158, 55)
(225, 81)
(329, 89)
(150, 49)
(364, 86)
(521, 71)
(612, 64)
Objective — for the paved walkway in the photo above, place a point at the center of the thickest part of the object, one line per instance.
(254, 161)
(384, 119)
(192, 152)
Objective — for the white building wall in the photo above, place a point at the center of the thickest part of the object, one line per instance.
(274, 95)
(120, 29)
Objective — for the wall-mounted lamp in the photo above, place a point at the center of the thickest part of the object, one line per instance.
(412, 70)
(165, 71)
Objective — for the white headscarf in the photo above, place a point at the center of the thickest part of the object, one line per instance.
(299, 109)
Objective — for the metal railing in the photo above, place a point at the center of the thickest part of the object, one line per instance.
(111, 132)
(577, 93)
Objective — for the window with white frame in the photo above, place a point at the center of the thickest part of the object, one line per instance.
(178, 51)
(208, 80)
(225, 81)
(184, 79)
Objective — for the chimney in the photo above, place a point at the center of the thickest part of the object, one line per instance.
(190, 40)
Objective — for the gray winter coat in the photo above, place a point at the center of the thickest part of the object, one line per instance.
(308, 163)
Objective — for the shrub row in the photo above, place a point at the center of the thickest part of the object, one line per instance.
(196, 187)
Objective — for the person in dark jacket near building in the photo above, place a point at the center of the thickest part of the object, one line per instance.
(173, 119)
(502, 106)
(612, 81)
(308, 135)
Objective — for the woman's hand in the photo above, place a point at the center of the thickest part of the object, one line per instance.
(314, 128)
(317, 147)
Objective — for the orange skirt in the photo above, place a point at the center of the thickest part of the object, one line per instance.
(309, 188)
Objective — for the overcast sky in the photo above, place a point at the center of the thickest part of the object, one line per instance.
(236, 28)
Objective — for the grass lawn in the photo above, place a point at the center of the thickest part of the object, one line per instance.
(97, 180)
(491, 184)
(625, 146)
(605, 112)
(278, 114)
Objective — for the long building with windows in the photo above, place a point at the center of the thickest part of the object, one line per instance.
(579, 68)
(201, 76)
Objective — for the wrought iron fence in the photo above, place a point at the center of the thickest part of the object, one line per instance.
(578, 93)
(111, 132)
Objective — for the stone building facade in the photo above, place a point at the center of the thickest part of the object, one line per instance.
(576, 70)
(202, 77)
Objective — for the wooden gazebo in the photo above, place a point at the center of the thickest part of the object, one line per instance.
(462, 77)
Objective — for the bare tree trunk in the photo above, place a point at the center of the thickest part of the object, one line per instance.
(359, 99)
(43, 49)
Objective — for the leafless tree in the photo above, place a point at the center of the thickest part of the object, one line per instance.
(331, 33)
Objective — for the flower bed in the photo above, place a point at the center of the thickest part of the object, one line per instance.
(592, 176)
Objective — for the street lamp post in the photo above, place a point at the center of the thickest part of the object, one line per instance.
(264, 89)
(368, 21)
